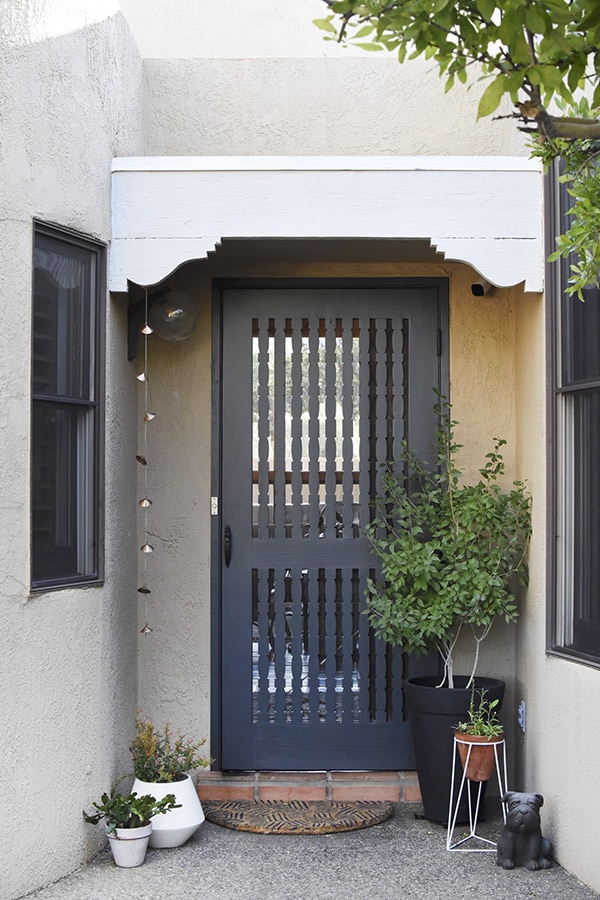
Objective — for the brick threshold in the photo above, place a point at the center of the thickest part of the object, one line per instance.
(397, 787)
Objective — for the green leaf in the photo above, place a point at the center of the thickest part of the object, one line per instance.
(591, 20)
(491, 97)
(364, 32)
(536, 21)
(326, 25)
(486, 8)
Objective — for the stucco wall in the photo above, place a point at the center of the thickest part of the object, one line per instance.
(70, 91)
(562, 722)
(280, 106)
(268, 83)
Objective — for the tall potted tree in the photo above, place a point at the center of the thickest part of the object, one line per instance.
(451, 556)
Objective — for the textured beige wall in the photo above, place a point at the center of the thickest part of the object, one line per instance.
(280, 106)
(558, 749)
(71, 98)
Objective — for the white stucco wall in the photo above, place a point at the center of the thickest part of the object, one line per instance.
(70, 92)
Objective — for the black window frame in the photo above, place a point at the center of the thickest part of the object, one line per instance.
(573, 348)
(77, 401)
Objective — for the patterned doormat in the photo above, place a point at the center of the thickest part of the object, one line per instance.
(296, 816)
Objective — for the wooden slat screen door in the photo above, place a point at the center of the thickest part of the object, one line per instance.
(318, 386)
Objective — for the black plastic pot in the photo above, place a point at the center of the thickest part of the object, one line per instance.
(432, 712)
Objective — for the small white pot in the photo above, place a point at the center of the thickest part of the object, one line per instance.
(129, 845)
(173, 828)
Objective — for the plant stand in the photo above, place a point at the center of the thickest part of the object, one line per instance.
(499, 749)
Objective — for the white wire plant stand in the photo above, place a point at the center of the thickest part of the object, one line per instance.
(466, 842)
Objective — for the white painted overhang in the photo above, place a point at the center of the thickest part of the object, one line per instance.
(482, 210)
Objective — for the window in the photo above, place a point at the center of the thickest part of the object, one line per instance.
(576, 468)
(67, 409)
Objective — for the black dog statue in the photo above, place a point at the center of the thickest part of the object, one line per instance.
(521, 843)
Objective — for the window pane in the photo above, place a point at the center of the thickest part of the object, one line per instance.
(586, 538)
(67, 409)
(580, 329)
(63, 319)
(57, 483)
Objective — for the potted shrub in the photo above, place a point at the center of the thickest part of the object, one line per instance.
(129, 823)
(476, 737)
(451, 556)
(162, 762)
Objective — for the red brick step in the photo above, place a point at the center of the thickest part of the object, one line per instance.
(397, 787)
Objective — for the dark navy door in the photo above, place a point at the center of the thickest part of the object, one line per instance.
(318, 386)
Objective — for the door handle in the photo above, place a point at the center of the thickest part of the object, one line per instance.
(227, 545)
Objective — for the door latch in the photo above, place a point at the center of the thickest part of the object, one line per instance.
(227, 545)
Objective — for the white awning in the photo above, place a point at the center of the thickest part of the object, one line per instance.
(481, 210)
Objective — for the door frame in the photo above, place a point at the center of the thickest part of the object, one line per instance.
(218, 286)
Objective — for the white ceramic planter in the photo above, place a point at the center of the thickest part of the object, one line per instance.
(173, 828)
(129, 845)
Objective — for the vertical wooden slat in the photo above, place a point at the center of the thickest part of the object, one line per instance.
(313, 645)
(313, 429)
(296, 644)
(346, 644)
(330, 429)
(264, 425)
(279, 641)
(364, 661)
(364, 479)
(398, 374)
(330, 591)
(262, 594)
(395, 695)
(382, 413)
(381, 402)
(366, 468)
(379, 648)
(296, 429)
(347, 427)
(279, 436)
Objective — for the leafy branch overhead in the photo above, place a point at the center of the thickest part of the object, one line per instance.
(541, 54)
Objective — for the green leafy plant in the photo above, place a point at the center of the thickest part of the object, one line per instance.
(451, 554)
(162, 756)
(541, 55)
(128, 810)
(483, 718)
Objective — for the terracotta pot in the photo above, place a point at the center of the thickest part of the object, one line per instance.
(433, 711)
(477, 755)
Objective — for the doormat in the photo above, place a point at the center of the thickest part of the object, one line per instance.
(296, 816)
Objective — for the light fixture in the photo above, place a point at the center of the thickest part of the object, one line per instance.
(173, 316)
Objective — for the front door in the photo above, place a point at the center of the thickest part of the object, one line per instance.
(319, 384)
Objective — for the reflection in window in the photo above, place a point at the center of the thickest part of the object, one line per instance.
(66, 409)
